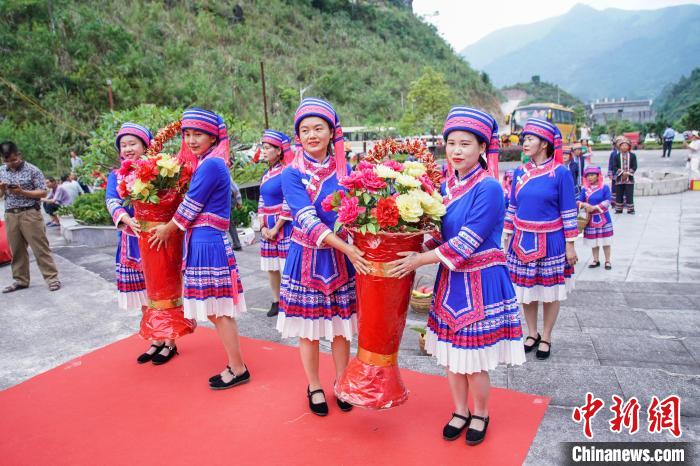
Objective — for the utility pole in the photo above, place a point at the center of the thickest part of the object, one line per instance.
(109, 95)
(264, 91)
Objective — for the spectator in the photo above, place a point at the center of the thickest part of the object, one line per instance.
(579, 157)
(667, 137)
(570, 163)
(22, 185)
(75, 161)
(74, 187)
(693, 146)
(236, 203)
(59, 197)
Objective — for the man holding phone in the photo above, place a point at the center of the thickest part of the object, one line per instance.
(22, 186)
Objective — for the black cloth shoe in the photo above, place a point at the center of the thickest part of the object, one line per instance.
(475, 437)
(219, 384)
(594, 264)
(608, 266)
(344, 406)
(217, 376)
(159, 359)
(544, 354)
(450, 432)
(529, 348)
(319, 409)
(145, 357)
(274, 309)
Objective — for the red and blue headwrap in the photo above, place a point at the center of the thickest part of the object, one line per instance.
(547, 132)
(132, 129)
(591, 171)
(281, 140)
(209, 123)
(311, 107)
(480, 124)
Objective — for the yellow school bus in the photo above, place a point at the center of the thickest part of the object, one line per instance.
(561, 116)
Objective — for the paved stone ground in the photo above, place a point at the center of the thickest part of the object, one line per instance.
(631, 331)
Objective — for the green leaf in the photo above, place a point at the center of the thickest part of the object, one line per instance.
(363, 229)
(372, 228)
(367, 198)
(337, 226)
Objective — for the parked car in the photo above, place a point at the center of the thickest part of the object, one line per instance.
(651, 138)
(604, 139)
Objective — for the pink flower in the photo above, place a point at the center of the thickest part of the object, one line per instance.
(428, 185)
(352, 181)
(364, 165)
(349, 210)
(371, 181)
(394, 165)
(327, 203)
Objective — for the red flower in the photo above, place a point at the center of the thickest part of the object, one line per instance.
(121, 189)
(146, 170)
(387, 213)
(126, 167)
(185, 175)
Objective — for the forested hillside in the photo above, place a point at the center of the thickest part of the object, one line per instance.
(362, 56)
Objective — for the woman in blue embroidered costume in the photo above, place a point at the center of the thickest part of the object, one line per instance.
(131, 143)
(318, 289)
(596, 197)
(275, 217)
(212, 286)
(474, 323)
(541, 219)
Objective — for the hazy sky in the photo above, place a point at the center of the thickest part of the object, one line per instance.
(497, 14)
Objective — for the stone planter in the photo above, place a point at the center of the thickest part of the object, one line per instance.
(96, 236)
(659, 183)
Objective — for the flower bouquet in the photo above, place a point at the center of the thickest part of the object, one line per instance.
(155, 185)
(388, 208)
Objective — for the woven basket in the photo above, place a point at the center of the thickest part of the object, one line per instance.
(421, 305)
(582, 219)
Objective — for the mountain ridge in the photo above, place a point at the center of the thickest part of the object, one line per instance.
(658, 48)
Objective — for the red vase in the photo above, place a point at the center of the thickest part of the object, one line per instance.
(372, 379)
(163, 318)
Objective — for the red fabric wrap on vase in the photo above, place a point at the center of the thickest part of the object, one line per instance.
(163, 318)
(372, 379)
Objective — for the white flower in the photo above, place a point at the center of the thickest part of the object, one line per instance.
(407, 181)
(382, 171)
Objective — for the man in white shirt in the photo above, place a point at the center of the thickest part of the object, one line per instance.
(74, 186)
(667, 137)
(75, 161)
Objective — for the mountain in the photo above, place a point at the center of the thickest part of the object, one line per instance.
(361, 56)
(539, 91)
(596, 53)
(675, 100)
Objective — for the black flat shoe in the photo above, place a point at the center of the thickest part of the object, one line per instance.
(274, 309)
(159, 359)
(608, 266)
(544, 354)
(529, 348)
(217, 376)
(219, 384)
(319, 409)
(145, 357)
(344, 406)
(450, 432)
(475, 437)
(593, 265)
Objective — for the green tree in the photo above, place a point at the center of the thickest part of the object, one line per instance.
(691, 119)
(428, 102)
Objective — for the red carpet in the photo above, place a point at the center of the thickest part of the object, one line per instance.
(105, 409)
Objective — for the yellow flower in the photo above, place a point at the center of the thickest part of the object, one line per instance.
(430, 205)
(414, 169)
(168, 166)
(141, 189)
(407, 181)
(409, 207)
(382, 171)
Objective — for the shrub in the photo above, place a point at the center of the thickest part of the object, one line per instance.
(89, 209)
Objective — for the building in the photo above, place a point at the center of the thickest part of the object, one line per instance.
(636, 111)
